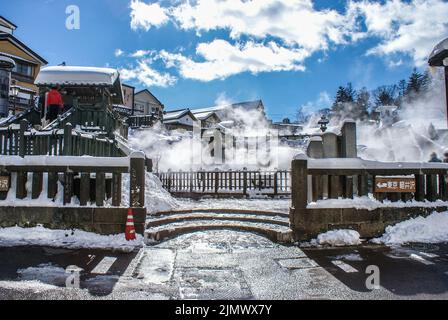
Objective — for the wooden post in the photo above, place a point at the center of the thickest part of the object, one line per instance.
(446, 90)
(137, 176)
(68, 187)
(52, 189)
(362, 185)
(68, 150)
(348, 188)
(316, 187)
(36, 189)
(100, 188)
(245, 181)
(420, 187)
(84, 192)
(275, 183)
(22, 143)
(116, 189)
(431, 187)
(299, 190)
(443, 187)
(21, 192)
(216, 173)
(334, 186)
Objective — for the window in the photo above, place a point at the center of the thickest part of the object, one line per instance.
(23, 69)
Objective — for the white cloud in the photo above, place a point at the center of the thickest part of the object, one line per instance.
(118, 52)
(412, 27)
(296, 22)
(145, 15)
(140, 53)
(278, 35)
(145, 74)
(221, 59)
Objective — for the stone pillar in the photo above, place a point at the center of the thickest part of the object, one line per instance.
(348, 140)
(315, 149)
(137, 177)
(330, 145)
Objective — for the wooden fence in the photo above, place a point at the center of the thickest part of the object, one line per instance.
(140, 121)
(90, 179)
(18, 140)
(92, 118)
(227, 182)
(319, 179)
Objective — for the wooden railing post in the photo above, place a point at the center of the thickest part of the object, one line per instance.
(245, 181)
(137, 177)
(420, 187)
(68, 148)
(22, 142)
(216, 173)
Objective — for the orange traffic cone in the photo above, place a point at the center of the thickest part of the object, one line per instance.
(130, 228)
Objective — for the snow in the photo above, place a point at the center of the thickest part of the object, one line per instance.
(339, 238)
(69, 239)
(77, 76)
(360, 164)
(370, 203)
(276, 205)
(430, 229)
(157, 199)
(67, 161)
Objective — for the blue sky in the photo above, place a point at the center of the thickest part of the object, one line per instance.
(289, 53)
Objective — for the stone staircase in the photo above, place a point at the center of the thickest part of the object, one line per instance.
(166, 225)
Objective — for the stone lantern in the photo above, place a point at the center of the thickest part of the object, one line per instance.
(439, 58)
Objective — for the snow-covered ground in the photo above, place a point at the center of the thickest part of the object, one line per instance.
(70, 239)
(277, 205)
(430, 229)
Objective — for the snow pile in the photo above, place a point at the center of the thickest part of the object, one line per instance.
(432, 229)
(157, 199)
(70, 239)
(370, 203)
(339, 238)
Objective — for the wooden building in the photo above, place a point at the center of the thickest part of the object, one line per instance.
(28, 64)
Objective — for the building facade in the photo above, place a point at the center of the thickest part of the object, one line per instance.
(145, 103)
(28, 64)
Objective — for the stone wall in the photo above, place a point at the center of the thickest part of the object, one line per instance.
(309, 223)
(99, 220)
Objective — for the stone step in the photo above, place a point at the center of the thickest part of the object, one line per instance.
(195, 216)
(274, 232)
(227, 211)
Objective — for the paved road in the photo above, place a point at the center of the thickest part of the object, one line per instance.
(226, 265)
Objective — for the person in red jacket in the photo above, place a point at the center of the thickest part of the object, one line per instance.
(53, 104)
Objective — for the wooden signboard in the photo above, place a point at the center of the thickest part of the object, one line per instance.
(4, 183)
(395, 184)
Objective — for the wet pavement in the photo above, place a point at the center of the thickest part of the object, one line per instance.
(226, 265)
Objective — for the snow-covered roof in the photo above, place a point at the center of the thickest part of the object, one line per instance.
(173, 115)
(77, 76)
(250, 105)
(439, 53)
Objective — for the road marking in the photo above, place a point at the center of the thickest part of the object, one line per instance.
(104, 265)
(429, 255)
(420, 259)
(345, 267)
